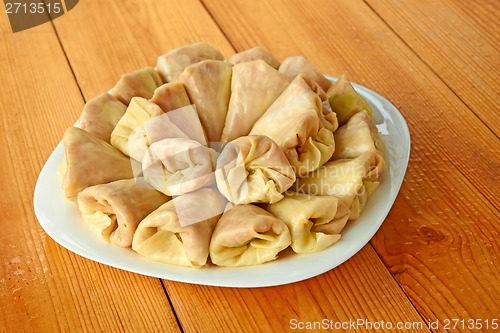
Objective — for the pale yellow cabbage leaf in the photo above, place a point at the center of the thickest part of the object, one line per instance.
(114, 210)
(315, 222)
(162, 235)
(253, 169)
(248, 235)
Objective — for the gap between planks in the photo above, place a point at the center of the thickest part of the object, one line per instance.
(83, 98)
(426, 64)
(369, 243)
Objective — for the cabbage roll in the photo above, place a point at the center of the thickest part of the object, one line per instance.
(145, 122)
(140, 83)
(345, 101)
(359, 135)
(292, 66)
(256, 53)
(138, 112)
(89, 161)
(254, 87)
(179, 231)
(248, 235)
(185, 119)
(100, 116)
(328, 118)
(208, 84)
(314, 222)
(114, 210)
(350, 180)
(295, 122)
(178, 166)
(171, 96)
(181, 123)
(173, 63)
(253, 169)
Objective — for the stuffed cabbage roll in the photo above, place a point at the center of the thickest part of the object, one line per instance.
(173, 63)
(171, 96)
(256, 53)
(178, 166)
(89, 161)
(181, 123)
(164, 236)
(359, 135)
(114, 210)
(345, 101)
(248, 235)
(100, 116)
(292, 66)
(352, 181)
(328, 117)
(295, 122)
(185, 119)
(138, 112)
(145, 122)
(253, 169)
(314, 222)
(140, 83)
(254, 87)
(208, 84)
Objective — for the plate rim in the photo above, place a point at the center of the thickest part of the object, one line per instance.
(185, 274)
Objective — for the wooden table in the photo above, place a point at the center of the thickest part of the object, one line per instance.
(435, 258)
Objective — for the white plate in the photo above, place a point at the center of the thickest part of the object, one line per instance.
(61, 220)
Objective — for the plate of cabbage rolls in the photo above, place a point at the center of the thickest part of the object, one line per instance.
(244, 171)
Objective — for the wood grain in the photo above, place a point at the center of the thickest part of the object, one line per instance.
(440, 239)
(103, 40)
(360, 289)
(43, 287)
(460, 41)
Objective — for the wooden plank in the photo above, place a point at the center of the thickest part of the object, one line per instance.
(459, 40)
(43, 287)
(440, 238)
(360, 289)
(135, 35)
